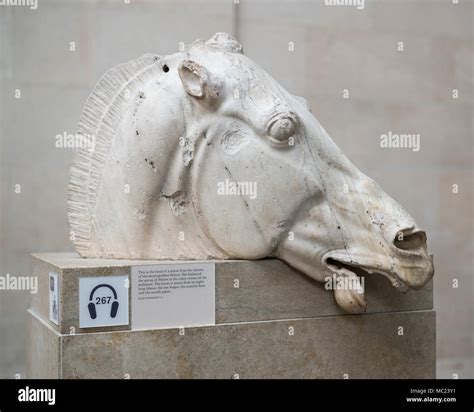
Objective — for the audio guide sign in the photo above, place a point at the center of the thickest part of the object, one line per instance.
(103, 301)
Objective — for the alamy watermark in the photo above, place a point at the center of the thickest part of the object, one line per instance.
(335, 282)
(9, 282)
(359, 4)
(400, 141)
(231, 188)
(67, 140)
(32, 4)
(28, 394)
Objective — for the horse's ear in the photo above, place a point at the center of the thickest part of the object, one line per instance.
(196, 80)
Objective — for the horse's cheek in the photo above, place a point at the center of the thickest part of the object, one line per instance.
(225, 193)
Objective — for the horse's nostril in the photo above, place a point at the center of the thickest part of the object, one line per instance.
(409, 241)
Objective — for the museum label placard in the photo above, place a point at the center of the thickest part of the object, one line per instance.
(173, 295)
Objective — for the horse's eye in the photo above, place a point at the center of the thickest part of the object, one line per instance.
(282, 127)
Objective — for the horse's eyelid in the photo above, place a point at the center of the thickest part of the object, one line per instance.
(293, 118)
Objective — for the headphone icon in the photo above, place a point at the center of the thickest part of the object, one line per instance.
(91, 305)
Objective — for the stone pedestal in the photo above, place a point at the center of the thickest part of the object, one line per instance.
(276, 324)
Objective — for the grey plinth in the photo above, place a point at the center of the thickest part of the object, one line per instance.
(276, 324)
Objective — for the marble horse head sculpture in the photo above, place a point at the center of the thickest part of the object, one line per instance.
(203, 155)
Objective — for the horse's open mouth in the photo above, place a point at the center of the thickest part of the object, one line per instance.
(339, 267)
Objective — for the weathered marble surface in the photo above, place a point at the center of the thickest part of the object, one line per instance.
(365, 346)
(268, 289)
(169, 132)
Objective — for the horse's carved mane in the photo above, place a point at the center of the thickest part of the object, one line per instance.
(100, 119)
